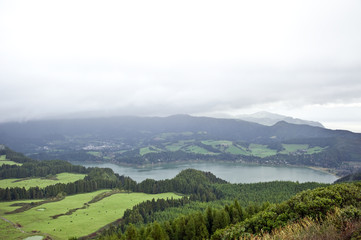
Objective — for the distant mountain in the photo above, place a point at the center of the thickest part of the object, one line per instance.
(269, 119)
(144, 140)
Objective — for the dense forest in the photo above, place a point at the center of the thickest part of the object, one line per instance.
(210, 208)
(334, 210)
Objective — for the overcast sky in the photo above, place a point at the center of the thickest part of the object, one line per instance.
(212, 58)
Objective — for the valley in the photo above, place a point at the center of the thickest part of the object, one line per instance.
(140, 141)
(59, 200)
(158, 178)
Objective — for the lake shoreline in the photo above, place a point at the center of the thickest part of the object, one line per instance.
(232, 171)
(158, 164)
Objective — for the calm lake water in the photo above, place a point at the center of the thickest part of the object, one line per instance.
(231, 172)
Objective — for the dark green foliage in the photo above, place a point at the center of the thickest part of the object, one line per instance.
(143, 212)
(98, 178)
(200, 185)
(274, 192)
(311, 203)
(233, 221)
(14, 156)
(33, 168)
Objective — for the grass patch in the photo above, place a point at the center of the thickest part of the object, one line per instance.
(227, 147)
(217, 144)
(40, 182)
(4, 160)
(94, 153)
(150, 149)
(81, 222)
(221, 145)
(198, 150)
(7, 229)
(315, 150)
(262, 151)
(302, 148)
(178, 145)
(237, 150)
(290, 148)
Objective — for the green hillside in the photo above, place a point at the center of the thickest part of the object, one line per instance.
(98, 203)
(144, 140)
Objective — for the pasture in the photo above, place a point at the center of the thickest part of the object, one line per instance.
(41, 182)
(262, 151)
(88, 217)
(4, 160)
(291, 148)
(150, 149)
(236, 149)
(227, 147)
(198, 150)
(178, 145)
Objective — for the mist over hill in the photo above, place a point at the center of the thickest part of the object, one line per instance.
(144, 140)
(269, 119)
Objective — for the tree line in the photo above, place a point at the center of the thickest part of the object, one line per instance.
(235, 222)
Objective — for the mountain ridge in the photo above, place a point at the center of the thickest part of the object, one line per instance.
(144, 140)
(269, 119)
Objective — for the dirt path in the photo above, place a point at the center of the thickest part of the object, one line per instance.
(15, 225)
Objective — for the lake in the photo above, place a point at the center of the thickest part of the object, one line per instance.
(231, 172)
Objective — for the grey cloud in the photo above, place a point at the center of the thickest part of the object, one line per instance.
(288, 57)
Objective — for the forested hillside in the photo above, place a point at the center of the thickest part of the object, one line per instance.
(331, 212)
(148, 140)
(206, 202)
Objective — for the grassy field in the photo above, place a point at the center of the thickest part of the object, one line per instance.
(40, 182)
(198, 150)
(81, 222)
(217, 144)
(259, 150)
(7, 229)
(178, 145)
(239, 150)
(94, 153)
(150, 149)
(315, 150)
(291, 148)
(226, 146)
(3, 161)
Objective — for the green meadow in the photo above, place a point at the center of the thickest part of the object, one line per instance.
(216, 144)
(150, 149)
(236, 149)
(3, 161)
(80, 222)
(291, 148)
(227, 147)
(95, 153)
(7, 229)
(197, 150)
(41, 182)
(178, 145)
(262, 151)
(315, 150)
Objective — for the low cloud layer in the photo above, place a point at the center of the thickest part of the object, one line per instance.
(299, 58)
